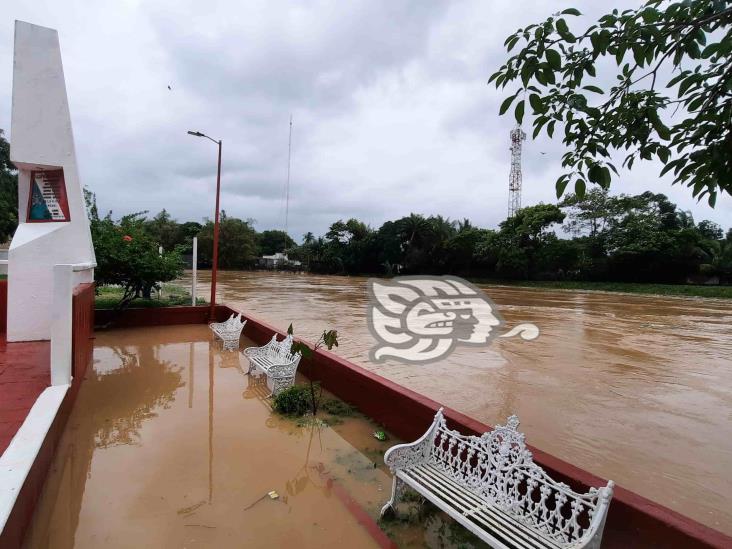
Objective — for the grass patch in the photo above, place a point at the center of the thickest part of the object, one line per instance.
(108, 297)
(686, 290)
(337, 407)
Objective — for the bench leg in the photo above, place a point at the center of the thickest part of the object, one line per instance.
(280, 383)
(231, 344)
(397, 489)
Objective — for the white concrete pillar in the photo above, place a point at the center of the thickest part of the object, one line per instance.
(61, 324)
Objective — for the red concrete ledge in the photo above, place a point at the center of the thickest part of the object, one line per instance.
(633, 521)
(153, 316)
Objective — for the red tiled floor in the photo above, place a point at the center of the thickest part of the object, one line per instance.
(24, 373)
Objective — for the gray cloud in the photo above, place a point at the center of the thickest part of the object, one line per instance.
(392, 111)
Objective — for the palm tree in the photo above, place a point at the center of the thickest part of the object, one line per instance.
(464, 225)
(414, 227)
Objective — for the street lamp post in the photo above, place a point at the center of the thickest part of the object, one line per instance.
(215, 259)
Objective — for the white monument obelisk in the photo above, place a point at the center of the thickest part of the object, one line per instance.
(53, 228)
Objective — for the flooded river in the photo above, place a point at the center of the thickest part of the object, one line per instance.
(633, 388)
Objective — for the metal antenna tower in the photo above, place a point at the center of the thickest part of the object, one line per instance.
(287, 187)
(514, 179)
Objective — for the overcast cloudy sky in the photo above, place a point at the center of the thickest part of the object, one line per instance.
(391, 109)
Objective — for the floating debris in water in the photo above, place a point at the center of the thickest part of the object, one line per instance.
(271, 495)
(380, 435)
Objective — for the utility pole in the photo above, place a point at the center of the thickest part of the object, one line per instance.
(287, 187)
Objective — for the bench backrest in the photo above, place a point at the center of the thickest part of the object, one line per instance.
(280, 351)
(233, 322)
(499, 467)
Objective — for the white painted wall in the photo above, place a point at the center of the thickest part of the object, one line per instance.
(41, 137)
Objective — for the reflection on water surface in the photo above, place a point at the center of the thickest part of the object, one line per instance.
(171, 445)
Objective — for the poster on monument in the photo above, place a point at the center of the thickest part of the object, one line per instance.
(47, 200)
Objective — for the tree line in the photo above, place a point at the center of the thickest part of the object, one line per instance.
(599, 237)
(642, 238)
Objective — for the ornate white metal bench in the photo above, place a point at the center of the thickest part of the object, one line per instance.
(276, 361)
(229, 331)
(491, 485)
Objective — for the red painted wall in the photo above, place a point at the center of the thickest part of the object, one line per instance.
(82, 345)
(3, 305)
(153, 316)
(633, 521)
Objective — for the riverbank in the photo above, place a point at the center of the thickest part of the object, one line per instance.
(683, 290)
(171, 296)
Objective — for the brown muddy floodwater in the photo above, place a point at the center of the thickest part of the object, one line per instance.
(169, 444)
(633, 388)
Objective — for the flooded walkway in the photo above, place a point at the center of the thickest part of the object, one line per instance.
(633, 388)
(170, 445)
(25, 371)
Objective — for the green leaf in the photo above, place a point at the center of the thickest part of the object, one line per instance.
(663, 154)
(605, 178)
(289, 329)
(662, 131)
(536, 103)
(675, 80)
(579, 188)
(595, 174)
(561, 185)
(571, 11)
(604, 40)
(554, 59)
(519, 112)
(562, 27)
(538, 124)
(526, 72)
(639, 54)
(593, 89)
(710, 50)
(506, 103)
(620, 54)
(549, 75)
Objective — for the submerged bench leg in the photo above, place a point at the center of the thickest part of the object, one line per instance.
(397, 490)
(280, 383)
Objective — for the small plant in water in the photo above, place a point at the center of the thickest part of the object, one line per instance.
(380, 435)
(328, 339)
(293, 401)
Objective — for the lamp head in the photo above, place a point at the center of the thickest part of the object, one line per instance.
(197, 134)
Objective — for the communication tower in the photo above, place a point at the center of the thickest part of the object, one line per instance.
(514, 179)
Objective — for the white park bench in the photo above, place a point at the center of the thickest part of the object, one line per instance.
(276, 361)
(491, 485)
(229, 331)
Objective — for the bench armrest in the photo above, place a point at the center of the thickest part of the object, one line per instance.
(405, 456)
(253, 351)
(283, 370)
